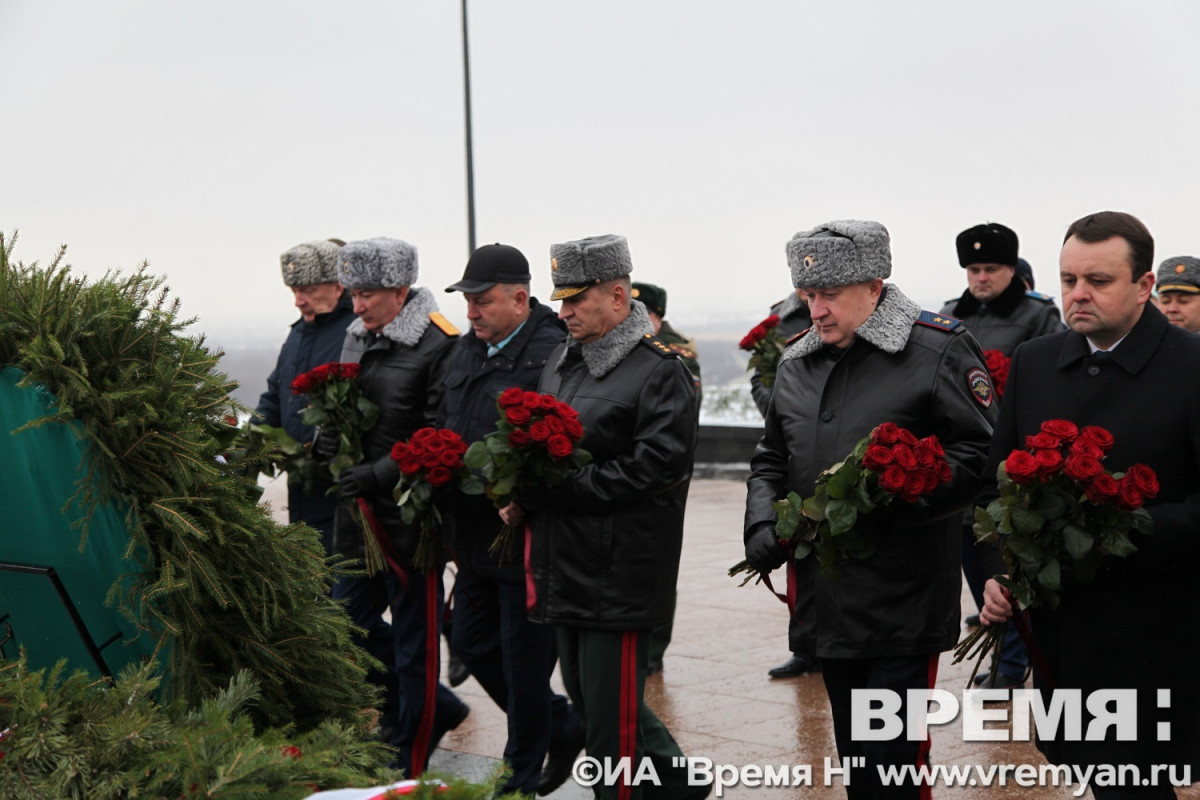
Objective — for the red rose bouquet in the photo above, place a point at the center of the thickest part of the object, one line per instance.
(997, 364)
(336, 403)
(430, 460)
(1059, 514)
(535, 444)
(765, 346)
(890, 463)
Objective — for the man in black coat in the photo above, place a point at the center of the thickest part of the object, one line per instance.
(400, 341)
(1123, 367)
(605, 544)
(873, 356)
(1001, 313)
(511, 337)
(310, 271)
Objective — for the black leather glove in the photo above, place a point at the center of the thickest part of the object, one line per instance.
(763, 550)
(357, 481)
(325, 445)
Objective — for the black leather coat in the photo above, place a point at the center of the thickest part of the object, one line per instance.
(606, 542)
(468, 408)
(406, 384)
(903, 600)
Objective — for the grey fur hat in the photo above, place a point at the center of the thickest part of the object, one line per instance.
(576, 265)
(310, 263)
(1179, 274)
(377, 263)
(839, 253)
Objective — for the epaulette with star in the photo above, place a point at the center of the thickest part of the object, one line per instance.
(1045, 298)
(659, 346)
(443, 324)
(941, 322)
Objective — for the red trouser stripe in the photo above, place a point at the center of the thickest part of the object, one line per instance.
(628, 705)
(420, 752)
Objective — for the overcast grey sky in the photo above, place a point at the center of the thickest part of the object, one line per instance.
(208, 137)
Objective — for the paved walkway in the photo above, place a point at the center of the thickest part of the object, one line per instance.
(714, 693)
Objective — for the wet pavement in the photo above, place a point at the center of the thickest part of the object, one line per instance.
(716, 698)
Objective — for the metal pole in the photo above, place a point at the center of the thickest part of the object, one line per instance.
(470, 156)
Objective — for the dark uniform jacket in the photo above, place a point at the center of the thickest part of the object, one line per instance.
(468, 408)
(1135, 626)
(403, 373)
(793, 318)
(685, 347)
(606, 542)
(308, 345)
(922, 372)
(1015, 316)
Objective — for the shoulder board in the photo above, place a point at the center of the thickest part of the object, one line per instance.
(657, 345)
(941, 322)
(1045, 298)
(952, 300)
(682, 350)
(796, 338)
(444, 325)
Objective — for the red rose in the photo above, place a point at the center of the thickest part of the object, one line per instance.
(924, 454)
(944, 473)
(914, 486)
(519, 438)
(348, 371)
(1082, 468)
(756, 335)
(1042, 441)
(1144, 479)
(532, 401)
(555, 424)
(904, 456)
(886, 434)
(877, 457)
(907, 437)
(1020, 466)
(539, 431)
(559, 446)
(934, 444)
(1086, 447)
(892, 479)
(931, 480)
(573, 428)
(301, 385)
(1103, 489)
(519, 415)
(770, 322)
(439, 476)
(410, 465)
(430, 459)
(1062, 428)
(566, 412)
(425, 436)
(1049, 462)
(399, 451)
(511, 396)
(450, 459)
(1098, 436)
(1128, 496)
(291, 751)
(548, 402)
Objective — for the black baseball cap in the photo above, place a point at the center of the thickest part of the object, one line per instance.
(492, 264)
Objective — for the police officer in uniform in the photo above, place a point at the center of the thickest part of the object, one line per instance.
(998, 310)
(604, 552)
(1179, 291)
(873, 356)
(1001, 313)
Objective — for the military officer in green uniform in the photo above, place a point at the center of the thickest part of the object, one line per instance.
(655, 299)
